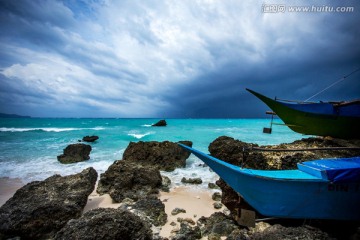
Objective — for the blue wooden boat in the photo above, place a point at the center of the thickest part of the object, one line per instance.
(335, 119)
(319, 189)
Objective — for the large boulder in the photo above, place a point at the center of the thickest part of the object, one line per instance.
(125, 179)
(75, 153)
(106, 223)
(41, 208)
(167, 156)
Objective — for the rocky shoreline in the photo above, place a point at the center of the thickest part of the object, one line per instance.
(54, 208)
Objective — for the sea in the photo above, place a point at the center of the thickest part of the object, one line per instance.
(29, 146)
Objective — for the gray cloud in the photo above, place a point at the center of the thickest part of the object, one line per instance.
(170, 58)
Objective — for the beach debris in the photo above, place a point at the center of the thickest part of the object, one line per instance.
(152, 210)
(213, 186)
(125, 179)
(191, 180)
(167, 156)
(75, 153)
(106, 223)
(216, 196)
(41, 208)
(176, 211)
(161, 123)
(188, 220)
(217, 205)
(90, 138)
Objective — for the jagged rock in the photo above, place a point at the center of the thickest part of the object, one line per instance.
(176, 211)
(166, 183)
(106, 223)
(187, 220)
(75, 153)
(153, 209)
(161, 123)
(217, 205)
(90, 138)
(167, 156)
(125, 179)
(191, 180)
(216, 196)
(217, 223)
(213, 186)
(41, 208)
(187, 232)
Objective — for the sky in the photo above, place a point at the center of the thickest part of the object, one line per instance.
(174, 58)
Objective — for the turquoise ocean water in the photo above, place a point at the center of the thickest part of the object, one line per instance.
(29, 146)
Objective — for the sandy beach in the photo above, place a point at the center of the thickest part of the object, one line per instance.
(8, 187)
(196, 203)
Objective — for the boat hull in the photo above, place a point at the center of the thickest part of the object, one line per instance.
(289, 193)
(321, 119)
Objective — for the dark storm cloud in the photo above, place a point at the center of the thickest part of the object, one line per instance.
(171, 58)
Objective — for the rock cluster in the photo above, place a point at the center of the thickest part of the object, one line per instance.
(75, 153)
(41, 208)
(191, 180)
(126, 179)
(51, 209)
(167, 156)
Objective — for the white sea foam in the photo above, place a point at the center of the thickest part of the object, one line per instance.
(146, 125)
(139, 135)
(42, 168)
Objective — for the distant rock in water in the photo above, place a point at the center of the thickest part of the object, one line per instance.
(129, 180)
(41, 208)
(167, 156)
(90, 138)
(106, 223)
(75, 153)
(161, 123)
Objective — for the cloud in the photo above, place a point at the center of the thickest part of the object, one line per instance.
(168, 58)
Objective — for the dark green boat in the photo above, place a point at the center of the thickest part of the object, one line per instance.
(335, 119)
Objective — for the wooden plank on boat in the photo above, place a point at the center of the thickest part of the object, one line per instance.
(247, 218)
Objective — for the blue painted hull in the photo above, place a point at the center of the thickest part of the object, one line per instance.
(289, 193)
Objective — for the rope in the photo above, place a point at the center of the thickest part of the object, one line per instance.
(303, 149)
(340, 80)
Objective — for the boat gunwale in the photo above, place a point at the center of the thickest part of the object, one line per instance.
(262, 174)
